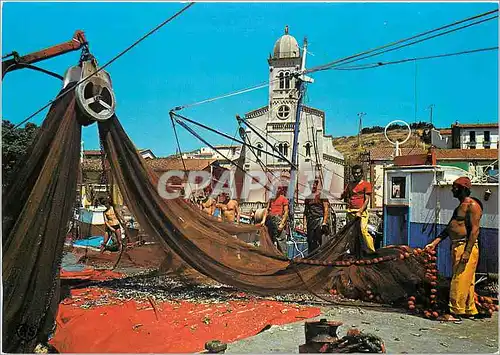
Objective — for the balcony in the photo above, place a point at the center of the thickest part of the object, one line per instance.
(281, 126)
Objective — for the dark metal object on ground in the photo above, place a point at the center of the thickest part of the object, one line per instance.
(215, 347)
(319, 336)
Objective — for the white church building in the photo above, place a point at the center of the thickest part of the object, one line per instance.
(276, 121)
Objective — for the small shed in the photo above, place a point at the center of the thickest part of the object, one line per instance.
(418, 204)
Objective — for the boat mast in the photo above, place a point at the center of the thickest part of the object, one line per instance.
(302, 79)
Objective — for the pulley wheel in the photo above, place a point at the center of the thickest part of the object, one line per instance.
(96, 98)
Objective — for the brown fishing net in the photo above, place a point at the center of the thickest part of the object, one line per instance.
(36, 212)
(38, 208)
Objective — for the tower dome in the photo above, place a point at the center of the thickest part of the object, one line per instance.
(286, 47)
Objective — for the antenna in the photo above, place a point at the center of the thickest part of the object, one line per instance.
(360, 115)
(397, 151)
(430, 108)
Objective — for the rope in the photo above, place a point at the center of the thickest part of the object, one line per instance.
(225, 135)
(105, 65)
(298, 151)
(180, 151)
(242, 91)
(190, 130)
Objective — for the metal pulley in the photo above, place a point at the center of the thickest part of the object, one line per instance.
(94, 96)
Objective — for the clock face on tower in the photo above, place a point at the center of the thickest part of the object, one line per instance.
(283, 112)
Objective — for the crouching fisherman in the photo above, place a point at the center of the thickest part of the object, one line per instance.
(463, 230)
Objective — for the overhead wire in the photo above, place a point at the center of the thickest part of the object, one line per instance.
(327, 66)
(380, 64)
(363, 55)
(357, 56)
(178, 13)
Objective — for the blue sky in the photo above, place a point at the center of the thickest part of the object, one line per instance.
(215, 48)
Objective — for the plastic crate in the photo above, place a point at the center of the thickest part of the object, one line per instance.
(296, 247)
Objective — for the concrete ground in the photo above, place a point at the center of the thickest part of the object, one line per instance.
(401, 332)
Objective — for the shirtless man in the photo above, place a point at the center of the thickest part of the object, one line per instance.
(463, 230)
(208, 203)
(230, 209)
(112, 226)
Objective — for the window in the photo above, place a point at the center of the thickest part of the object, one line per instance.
(487, 140)
(472, 140)
(283, 149)
(281, 76)
(233, 151)
(308, 146)
(283, 112)
(472, 136)
(487, 136)
(398, 187)
(258, 152)
(287, 80)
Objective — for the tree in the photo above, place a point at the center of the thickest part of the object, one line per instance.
(15, 143)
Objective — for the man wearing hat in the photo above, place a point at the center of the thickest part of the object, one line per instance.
(463, 230)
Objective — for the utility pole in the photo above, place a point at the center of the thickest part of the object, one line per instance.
(360, 115)
(301, 80)
(431, 106)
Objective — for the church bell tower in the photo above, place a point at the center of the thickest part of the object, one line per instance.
(283, 94)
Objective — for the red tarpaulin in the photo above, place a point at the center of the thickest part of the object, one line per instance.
(168, 327)
(90, 274)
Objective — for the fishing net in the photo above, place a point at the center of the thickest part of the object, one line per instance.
(38, 207)
(36, 212)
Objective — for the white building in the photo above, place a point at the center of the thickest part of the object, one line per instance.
(418, 204)
(467, 136)
(276, 121)
(222, 153)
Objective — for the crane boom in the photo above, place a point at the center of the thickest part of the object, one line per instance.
(17, 62)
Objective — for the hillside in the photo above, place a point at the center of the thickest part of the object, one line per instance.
(349, 145)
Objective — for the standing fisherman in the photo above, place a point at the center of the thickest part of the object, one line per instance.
(112, 226)
(357, 194)
(463, 230)
(276, 217)
(208, 203)
(230, 209)
(315, 218)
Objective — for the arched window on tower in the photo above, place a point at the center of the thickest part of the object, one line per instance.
(283, 149)
(307, 147)
(258, 152)
(281, 76)
(287, 80)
